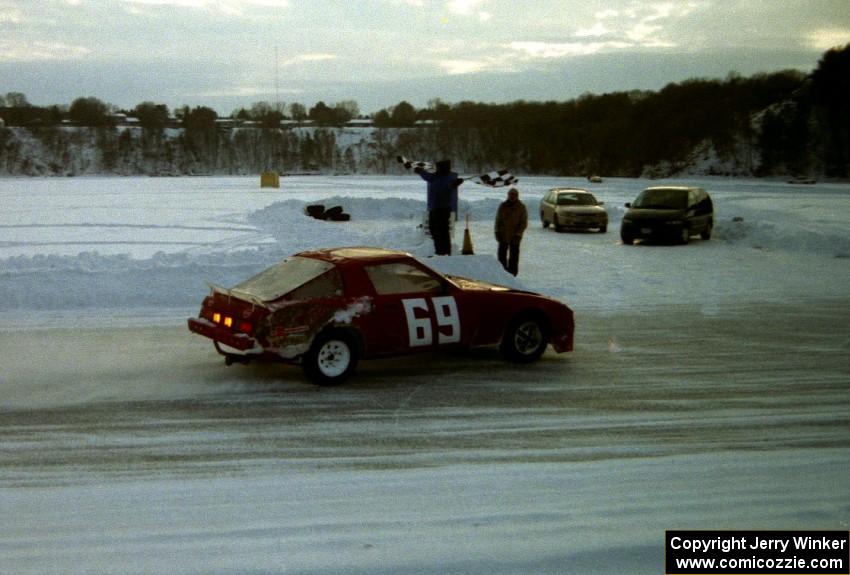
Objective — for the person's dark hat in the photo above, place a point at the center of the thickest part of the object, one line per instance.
(444, 166)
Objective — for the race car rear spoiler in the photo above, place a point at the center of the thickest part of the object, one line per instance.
(244, 296)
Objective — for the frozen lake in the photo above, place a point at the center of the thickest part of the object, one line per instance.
(709, 389)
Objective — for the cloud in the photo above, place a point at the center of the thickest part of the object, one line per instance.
(639, 24)
(468, 8)
(554, 50)
(180, 3)
(462, 7)
(10, 16)
(604, 14)
(644, 33)
(595, 31)
(824, 39)
(308, 58)
(246, 91)
(456, 67)
(40, 51)
(229, 7)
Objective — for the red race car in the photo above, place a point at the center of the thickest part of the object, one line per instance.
(328, 308)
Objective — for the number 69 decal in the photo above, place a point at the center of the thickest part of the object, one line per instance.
(446, 316)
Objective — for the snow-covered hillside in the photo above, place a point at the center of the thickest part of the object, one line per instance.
(129, 151)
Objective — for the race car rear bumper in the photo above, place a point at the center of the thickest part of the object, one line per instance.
(239, 341)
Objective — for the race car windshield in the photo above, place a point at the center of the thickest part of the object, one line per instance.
(662, 199)
(282, 278)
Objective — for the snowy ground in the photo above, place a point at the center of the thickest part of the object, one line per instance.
(709, 388)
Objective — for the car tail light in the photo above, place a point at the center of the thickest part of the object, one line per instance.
(228, 322)
(231, 322)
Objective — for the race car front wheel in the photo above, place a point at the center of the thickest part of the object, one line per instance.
(525, 339)
(332, 357)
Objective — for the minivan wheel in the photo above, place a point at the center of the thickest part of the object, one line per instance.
(706, 233)
(685, 235)
(627, 239)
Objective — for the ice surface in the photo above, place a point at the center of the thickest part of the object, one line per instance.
(126, 447)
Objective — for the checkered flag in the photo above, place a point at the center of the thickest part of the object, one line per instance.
(411, 165)
(495, 179)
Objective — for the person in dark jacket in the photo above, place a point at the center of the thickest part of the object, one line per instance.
(511, 221)
(442, 201)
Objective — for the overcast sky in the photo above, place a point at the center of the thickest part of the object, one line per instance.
(231, 53)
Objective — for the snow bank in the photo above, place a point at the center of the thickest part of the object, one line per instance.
(113, 243)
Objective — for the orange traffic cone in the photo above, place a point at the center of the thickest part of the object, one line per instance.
(467, 240)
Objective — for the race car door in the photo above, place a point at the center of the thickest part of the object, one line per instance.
(414, 310)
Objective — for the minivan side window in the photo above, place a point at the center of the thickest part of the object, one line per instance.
(693, 198)
(705, 205)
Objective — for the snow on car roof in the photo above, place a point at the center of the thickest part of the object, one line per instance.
(354, 253)
(571, 190)
(674, 188)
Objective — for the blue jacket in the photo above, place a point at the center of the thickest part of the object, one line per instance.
(442, 189)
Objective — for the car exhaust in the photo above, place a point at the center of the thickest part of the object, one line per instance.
(230, 359)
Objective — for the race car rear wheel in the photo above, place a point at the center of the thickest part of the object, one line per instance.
(525, 339)
(332, 357)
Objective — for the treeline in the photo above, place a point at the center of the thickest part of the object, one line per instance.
(625, 133)
(90, 112)
(784, 123)
(781, 123)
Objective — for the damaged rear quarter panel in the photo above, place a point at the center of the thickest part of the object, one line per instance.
(292, 326)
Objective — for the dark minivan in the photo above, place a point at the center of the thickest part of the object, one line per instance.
(668, 213)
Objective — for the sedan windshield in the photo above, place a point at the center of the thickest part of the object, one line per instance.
(664, 199)
(570, 199)
(282, 278)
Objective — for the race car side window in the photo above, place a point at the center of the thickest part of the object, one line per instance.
(401, 278)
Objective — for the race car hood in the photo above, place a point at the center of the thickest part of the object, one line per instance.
(481, 285)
